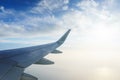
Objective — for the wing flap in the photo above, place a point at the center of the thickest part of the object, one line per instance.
(44, 61)
(13, 74)
(56, 52)
(4, 68)
(9, 70)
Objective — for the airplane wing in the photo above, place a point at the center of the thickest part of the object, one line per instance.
(13, 62)
(9, 70)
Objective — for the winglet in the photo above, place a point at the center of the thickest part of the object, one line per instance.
(62, 39)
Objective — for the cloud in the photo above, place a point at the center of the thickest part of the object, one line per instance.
(87, 19)
(94, 36)
(93, 24)
(51, 7)
(32, 21)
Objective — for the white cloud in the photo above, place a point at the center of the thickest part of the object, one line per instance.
(50, 6)
(92, 24)
(87, 4)
(2, 9)
(42, 20)
(65, 7)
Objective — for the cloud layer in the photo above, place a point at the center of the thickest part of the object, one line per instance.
(92, 21)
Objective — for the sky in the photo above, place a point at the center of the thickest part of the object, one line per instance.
(91, 51)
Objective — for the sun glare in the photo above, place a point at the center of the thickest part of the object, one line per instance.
(103, 73)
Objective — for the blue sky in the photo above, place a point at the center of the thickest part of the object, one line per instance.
(37, 18)
(92, 49)
(19, 4)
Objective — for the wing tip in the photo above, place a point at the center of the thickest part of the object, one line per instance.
(63, 38)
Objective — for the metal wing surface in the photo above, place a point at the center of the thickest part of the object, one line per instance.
(13, 62)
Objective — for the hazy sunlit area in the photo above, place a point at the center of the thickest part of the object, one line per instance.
(92, 49)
